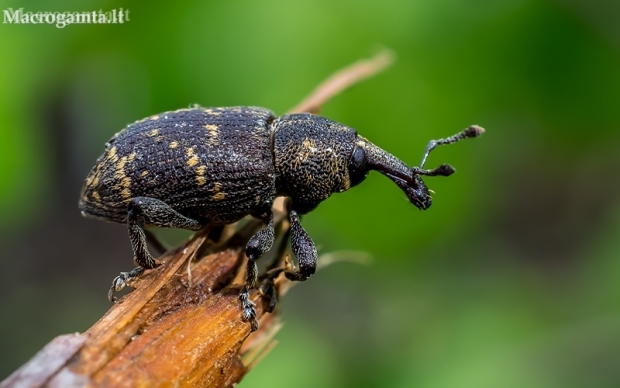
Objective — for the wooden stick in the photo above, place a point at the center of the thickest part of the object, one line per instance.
(343, 79)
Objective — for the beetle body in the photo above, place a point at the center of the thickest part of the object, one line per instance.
(213, 166)
(217, 165)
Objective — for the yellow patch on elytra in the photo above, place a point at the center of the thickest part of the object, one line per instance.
(159, 139)
(113, 159)
(144, 173)
(212, 127)
(217, 186)
(126, 193)
(96, 196)
(173, 145)
(126, 182)
(121, 175)
(93, 179)
(212, 112)
(218, 196)
(200, 172)
(156, 117)
(153, 132)
(192, 161)
(110, 157)
(120, 168)
(121, 163)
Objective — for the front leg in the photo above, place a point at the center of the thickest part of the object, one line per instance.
(258, 245)
(147, 211)
(306, 254)
(303, 249)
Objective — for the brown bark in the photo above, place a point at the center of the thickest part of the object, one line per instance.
(182, 324)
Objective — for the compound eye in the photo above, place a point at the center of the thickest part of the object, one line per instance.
(358, 166)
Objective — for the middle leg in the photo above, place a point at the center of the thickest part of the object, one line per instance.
(258, 245)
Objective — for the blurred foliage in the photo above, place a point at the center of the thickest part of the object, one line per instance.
(510, 279)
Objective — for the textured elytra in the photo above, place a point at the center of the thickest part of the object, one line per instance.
(200, 161)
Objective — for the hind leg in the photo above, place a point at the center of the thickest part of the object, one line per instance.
(147, 211)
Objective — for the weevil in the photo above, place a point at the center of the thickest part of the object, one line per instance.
(213, 166)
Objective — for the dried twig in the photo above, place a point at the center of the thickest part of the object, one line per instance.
(182, 325)
(343, 79)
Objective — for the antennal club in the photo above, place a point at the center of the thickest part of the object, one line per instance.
(470, 132)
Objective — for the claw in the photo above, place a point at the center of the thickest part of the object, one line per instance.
(249, 312)
(121, 281)
(253, 325)
(118, 284)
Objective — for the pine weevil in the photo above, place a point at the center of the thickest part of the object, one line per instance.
(213, 166)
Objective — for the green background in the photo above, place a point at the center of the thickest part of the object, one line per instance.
(511, 278)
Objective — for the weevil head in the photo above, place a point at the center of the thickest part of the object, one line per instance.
(358, 165)
(417, 192)
(367, 156)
